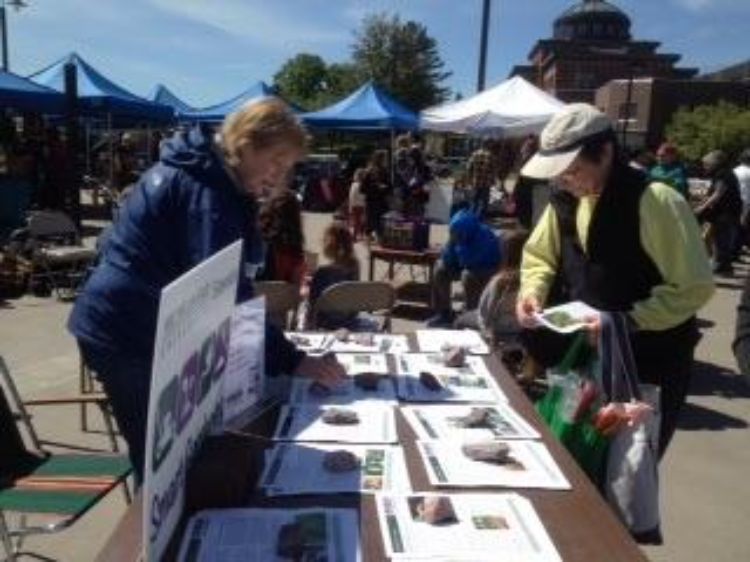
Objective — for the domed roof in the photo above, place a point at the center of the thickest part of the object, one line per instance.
(593, 20)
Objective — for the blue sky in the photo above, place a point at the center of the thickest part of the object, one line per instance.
(209, 50)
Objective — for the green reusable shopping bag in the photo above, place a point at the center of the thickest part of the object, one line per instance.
(568, 409)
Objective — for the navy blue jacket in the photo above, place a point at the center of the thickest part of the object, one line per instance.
(472, 245)
(183, 210)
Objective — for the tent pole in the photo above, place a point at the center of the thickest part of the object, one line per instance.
(111, 152)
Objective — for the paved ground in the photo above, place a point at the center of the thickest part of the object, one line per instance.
(705, 495)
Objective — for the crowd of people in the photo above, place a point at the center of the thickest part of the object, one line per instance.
(623, 236)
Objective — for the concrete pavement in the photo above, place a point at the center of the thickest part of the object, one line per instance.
(705, 491)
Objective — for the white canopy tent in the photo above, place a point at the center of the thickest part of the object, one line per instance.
(512, 108)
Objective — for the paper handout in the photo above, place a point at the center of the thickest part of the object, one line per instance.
(263, 535)
(467, 422)
(528, 464)
(294, 468)
(566, 318)
(358, 423)
(433, 341)
(465, 527)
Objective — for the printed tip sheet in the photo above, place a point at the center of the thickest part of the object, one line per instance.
(272, 535)
(356, 423)
(316, 468)
(526, 464)
(467, 422)
(463, 527)
(434, 341)
(424, 378)
(566, 318)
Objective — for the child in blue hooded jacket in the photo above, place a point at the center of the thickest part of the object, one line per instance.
(471, 254)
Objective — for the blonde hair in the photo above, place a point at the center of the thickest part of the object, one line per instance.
(261, 124)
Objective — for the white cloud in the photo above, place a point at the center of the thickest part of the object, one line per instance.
(271, 25)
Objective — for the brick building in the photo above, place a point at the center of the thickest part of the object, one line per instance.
(653, 102)
(592, 45)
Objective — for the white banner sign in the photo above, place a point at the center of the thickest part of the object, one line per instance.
(190, 357)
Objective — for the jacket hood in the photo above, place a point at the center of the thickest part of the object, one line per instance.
(193, 149)
(465, 223)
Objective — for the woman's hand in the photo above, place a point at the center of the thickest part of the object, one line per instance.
(593, 327)
(325, 370)
(526, 308)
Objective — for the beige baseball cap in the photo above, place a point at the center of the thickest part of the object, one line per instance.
(563, 137)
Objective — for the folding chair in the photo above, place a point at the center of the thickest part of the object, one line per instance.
(58, 256)
(35, 482)
(351, 297)
(282, 300)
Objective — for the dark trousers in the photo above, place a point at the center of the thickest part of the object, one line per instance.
(726, 229)
(473, 282)
(127, 384)
(673, 379)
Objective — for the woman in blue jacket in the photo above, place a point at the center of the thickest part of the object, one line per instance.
(201, 196)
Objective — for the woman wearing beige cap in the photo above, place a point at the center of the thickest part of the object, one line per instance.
(620, 244)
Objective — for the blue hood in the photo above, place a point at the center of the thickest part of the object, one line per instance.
(193, 149)
(465, 223)
(473, 245)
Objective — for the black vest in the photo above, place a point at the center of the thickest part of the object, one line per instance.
(616, 272)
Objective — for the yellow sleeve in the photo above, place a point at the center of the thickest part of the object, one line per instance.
(671, 237)
(541, 255)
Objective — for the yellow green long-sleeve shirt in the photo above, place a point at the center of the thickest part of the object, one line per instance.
(670, 236)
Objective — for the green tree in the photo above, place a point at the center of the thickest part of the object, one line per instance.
(708, 127)
(402, 58)
(306, 80)
(301, 80)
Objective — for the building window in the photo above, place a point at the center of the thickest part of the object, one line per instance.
(628, 111)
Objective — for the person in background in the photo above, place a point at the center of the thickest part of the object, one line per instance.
(741, 343)
(124, 164)
(200, 197)
(721, 208)
(523, 193)
(619, 243)
(357, 205)
(376, 186)
(338, 249)
(495, 314)
(473, 255)
(481, 173)
(669, 169)
(642, 160)
(280, 222)
(742, 172)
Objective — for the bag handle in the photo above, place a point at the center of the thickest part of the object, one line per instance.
(619, 373)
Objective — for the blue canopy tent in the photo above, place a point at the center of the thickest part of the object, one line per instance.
(100, 96)
(216, 113)
(164, 96)
(368, 108)
(23, 94)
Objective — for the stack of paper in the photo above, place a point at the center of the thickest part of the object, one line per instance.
(375, 424)
(476, 528)
(529, 465)
(354, 343)
(299, 469)
(260, 535)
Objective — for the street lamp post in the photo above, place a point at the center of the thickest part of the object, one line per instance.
(483, 44)
(17, 4)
